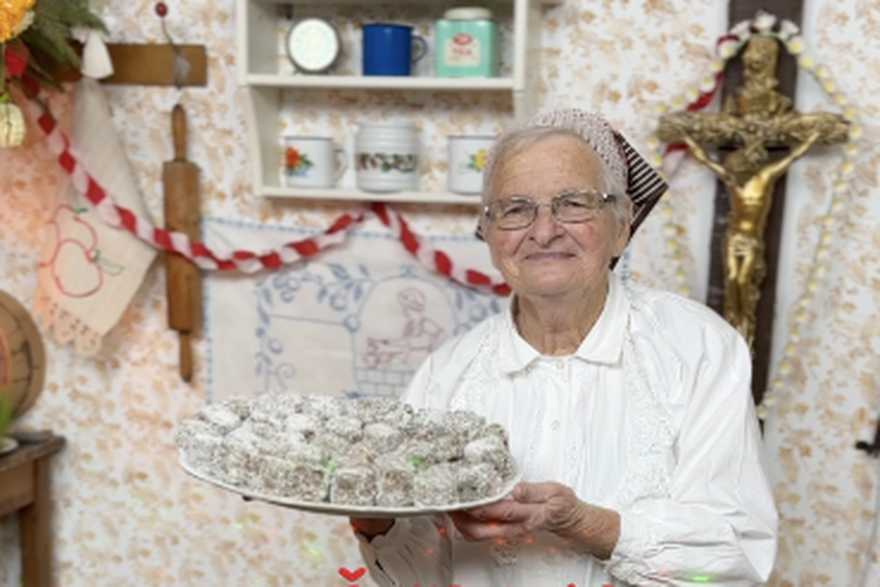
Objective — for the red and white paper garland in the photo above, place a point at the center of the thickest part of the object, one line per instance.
(240, 260)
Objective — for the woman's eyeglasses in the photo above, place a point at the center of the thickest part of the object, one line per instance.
(568, 207)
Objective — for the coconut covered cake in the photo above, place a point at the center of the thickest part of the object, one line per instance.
(361, 452)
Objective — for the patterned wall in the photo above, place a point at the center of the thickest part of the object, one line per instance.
(125, 513)
(827, 491)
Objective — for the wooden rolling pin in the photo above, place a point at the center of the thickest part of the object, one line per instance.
(180, 179)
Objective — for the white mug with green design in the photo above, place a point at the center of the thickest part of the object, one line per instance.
(312, 162)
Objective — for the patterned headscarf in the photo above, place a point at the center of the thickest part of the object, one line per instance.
(643, 184)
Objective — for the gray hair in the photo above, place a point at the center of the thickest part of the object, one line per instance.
(519, 139)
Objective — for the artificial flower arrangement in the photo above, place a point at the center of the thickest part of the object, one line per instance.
(34, 44)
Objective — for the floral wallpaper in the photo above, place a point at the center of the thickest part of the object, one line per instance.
(826, 490)
(124, 511)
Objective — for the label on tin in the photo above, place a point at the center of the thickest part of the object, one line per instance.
(462, 50)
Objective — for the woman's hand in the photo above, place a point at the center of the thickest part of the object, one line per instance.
(371, 527)
(543, 507)
(532, 508)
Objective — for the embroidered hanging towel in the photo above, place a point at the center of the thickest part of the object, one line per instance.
(354, 321)
(88, 271)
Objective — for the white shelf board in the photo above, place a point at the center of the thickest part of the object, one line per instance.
(322, 194)
(398, 83)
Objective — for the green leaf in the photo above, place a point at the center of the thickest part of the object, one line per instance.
(6, 411)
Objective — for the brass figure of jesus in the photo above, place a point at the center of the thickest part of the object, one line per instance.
(754, 118)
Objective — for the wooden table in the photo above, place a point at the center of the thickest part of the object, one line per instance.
(24, 488)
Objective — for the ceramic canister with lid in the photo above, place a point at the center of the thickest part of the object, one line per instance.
(466, 43)
(387, 156)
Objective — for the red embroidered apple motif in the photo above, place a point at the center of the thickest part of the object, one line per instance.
(90, 277)
(76, 250)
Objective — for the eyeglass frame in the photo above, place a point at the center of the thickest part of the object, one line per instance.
(605, 198)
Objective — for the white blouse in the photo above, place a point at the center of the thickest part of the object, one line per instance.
(652, 417)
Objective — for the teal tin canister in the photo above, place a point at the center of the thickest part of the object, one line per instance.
(466, 43)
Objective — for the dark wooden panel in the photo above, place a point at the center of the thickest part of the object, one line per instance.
(16, 488)
(28, 451)
(36, 530)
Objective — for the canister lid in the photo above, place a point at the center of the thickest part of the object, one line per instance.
(468, 13)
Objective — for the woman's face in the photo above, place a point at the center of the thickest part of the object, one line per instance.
(551, 259)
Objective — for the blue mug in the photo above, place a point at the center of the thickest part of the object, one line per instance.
(388, 49)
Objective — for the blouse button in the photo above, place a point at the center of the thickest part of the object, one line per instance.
(555, 425)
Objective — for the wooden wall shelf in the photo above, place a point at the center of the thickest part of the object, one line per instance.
(149, 65)
(259, 58)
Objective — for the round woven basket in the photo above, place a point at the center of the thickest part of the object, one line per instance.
(22, 355)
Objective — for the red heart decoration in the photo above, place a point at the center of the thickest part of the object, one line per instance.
(352, 575)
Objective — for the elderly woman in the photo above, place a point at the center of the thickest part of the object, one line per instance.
(628, 409)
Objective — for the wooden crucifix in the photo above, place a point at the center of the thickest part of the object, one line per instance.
(756, 120)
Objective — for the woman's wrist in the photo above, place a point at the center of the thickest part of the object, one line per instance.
(591, 529)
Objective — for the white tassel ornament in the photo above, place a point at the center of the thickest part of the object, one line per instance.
(11, 125)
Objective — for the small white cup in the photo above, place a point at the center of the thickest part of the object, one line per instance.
(467, 159)
(312, 162)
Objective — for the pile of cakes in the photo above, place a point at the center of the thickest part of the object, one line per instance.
(364, 452)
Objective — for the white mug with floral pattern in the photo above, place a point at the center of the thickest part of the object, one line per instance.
(312, 162)
(467, 158)
(387, 156)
